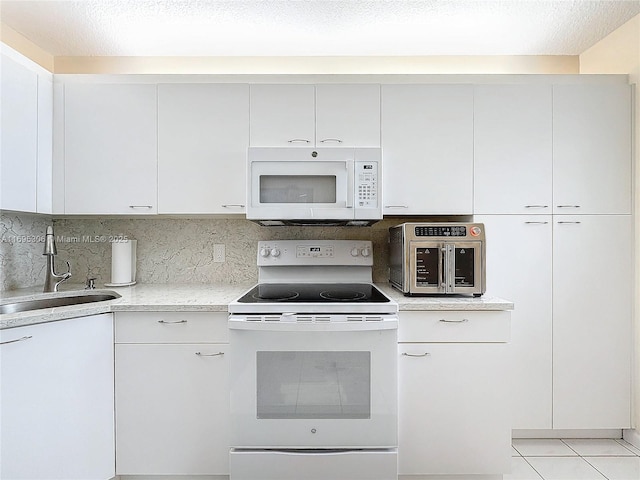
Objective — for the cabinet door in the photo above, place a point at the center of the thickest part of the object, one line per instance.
(592, 308)
(203, 135)
(453, 411)
(348, 115)
(172, 409)
(282, 115)
(427, 142)
(44, 181)
(57, 400)
(110, 148)
(519, 267)
(512, 149)
(592, 149)
(19, 136)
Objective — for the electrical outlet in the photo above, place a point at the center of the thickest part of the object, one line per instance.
(218, 253)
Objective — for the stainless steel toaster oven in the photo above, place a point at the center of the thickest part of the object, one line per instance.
(438, 258)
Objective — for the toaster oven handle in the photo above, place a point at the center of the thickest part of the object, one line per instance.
(350, 183)
(449, 267)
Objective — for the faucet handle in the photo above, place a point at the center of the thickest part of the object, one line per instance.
(90, 285)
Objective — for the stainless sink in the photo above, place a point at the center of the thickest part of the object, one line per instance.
(25, 305)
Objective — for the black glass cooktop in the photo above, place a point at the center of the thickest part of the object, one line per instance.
(314, 293)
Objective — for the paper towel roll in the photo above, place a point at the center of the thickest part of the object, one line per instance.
(123, 262)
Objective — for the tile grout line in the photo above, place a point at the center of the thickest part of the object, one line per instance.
(624, 446)
(534, 468)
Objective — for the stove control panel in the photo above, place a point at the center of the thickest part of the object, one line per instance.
(315, 252)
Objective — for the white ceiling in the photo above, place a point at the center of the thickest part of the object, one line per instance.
(315, 27)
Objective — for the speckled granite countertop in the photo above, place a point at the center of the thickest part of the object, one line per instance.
(196, 298)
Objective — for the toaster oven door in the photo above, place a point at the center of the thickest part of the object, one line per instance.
(426, 268)
(441, 267)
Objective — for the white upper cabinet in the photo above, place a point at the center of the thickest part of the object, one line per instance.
(44, 175)
(340, 115)
(19, 136)
(592, 149)
(348, 115)
(203, 135)
(110, 145)
(513, 149)
(427, 142)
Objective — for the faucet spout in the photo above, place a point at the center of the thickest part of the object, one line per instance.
(52, 279)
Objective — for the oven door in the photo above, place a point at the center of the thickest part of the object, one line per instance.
(299, 386)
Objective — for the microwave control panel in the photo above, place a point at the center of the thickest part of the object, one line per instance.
(367, 184)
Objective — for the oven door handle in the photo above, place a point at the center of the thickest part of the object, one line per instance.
(276, 326)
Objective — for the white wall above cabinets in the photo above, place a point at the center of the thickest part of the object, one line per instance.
(57, 400)
(592, 149)
(329, 115)
(172, 393)
(203, 135)
(110, 148)
(427, 142)
(513, 149)
(26, 134)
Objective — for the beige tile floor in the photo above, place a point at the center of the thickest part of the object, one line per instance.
(571, 459)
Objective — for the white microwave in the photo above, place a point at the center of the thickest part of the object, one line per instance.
(314, 186)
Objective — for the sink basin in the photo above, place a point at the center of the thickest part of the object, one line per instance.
(36, 304)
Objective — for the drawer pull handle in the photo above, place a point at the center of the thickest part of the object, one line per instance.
(569, 223)
(396, 206)
(22, 339)
(171, 323)
(331, 140)
(536, 223)
(298, 140)
(568, 206)
(232, 205)
(200, 354)
(444, 320)
(140, 206)
(425, 354)
(536, 206)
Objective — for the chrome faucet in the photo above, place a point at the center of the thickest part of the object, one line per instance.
(50, 250)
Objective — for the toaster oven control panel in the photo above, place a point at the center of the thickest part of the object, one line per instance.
(441, 231)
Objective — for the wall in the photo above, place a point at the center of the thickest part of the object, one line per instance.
(21, 246)
(619, 52)
(170, 250)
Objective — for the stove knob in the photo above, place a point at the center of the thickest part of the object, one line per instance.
(275, 252)
(366, 252)
(264, 252)
(355, 252)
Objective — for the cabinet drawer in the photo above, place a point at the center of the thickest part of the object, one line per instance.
(171, 327)
(454, 326)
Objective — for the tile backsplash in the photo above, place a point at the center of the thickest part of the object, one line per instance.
(170, 250)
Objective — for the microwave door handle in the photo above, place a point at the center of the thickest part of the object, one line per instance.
(350, 183)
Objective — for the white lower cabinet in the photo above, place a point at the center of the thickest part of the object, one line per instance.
(519, 267)
(56, 413)
(172, 397)
(454, 402)
(592, 321)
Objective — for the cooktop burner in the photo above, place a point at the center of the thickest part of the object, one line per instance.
(314, 293)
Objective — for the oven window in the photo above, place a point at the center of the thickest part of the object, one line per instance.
(427, 267)
(298, 189)
(316, 385)
(465, 267)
